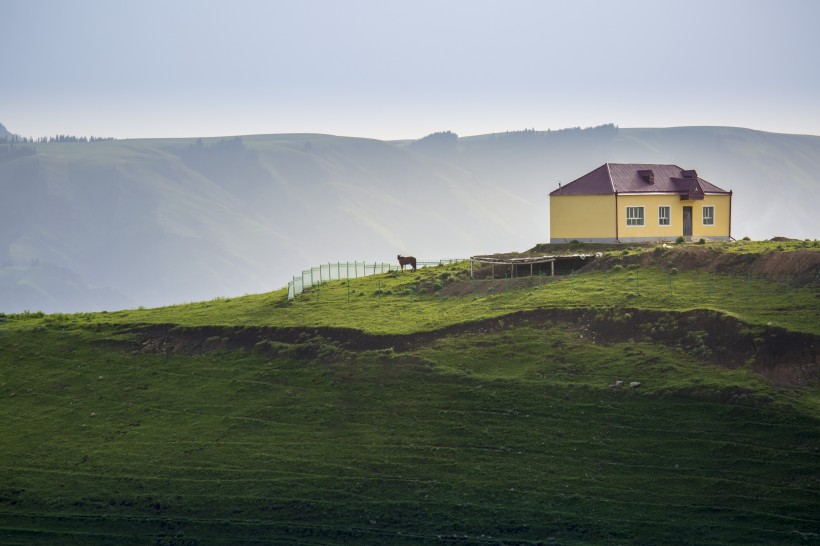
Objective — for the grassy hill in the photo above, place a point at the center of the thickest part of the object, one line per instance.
(111, 224)
(417, 408)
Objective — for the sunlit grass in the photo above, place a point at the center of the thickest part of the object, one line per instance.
(392, 303)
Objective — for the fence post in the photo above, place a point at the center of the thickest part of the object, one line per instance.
(348, 290)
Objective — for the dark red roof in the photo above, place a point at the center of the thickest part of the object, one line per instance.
(636, 178)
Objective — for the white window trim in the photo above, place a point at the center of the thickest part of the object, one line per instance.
(643, 216)
(703, 217)
(670, 215)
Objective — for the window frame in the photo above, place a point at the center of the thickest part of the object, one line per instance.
(668, 217)
(642, 217)
(703, 217)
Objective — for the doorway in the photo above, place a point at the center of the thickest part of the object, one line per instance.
(687, 221)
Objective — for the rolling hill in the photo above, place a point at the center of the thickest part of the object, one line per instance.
(114, 224)
(656, 396)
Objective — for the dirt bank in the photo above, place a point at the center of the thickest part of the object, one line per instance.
(786, 358)
(802, 267)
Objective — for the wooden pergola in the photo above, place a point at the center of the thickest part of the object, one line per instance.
(532, 261)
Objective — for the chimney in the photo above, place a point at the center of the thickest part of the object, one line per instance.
(689, 174)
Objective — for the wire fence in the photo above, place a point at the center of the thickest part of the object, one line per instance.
(350, 270)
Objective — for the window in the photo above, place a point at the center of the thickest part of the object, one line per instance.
(664, 215)
(634, 216)
(708, 216)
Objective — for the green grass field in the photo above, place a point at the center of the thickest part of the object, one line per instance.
(506, 432)
(410, 302)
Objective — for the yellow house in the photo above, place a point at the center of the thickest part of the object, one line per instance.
(619, 202)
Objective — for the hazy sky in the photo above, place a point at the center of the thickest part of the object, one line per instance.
(405, 68)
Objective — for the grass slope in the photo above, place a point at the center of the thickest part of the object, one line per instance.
(504, 433)
(405, 303)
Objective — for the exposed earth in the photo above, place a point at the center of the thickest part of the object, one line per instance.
(788, 359)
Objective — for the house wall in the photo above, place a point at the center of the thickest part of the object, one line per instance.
(588, 218)
(721, 228)
(591, 218)
(652, 230)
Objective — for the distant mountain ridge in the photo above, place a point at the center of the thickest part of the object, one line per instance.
(107, 224)
(5, 133)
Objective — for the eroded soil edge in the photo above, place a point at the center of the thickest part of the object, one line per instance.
(788, 359)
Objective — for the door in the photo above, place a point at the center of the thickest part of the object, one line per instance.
(687, 221)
